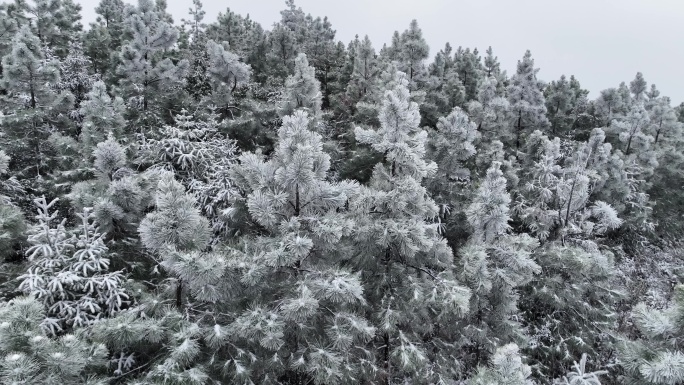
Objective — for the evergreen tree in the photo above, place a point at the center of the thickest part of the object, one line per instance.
(102, 115)
(526, 100)
(495, 264)
(147, 75)
(638, 87)
(469, 70)
(69, 273)
(29, 356)
(507, 368)
(656, 357)
(407, 258)
(364, 73)
(302, 90)
(225, 72)
(28, 77)
(413, 53)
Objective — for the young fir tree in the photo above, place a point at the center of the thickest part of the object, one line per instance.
(302, 90)
(202, 157)
(76, 75)
(527, 100)
(580, 376)
(28, 355)
(69, 272)
(408, 269)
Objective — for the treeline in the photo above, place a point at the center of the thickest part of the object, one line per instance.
(210, 203)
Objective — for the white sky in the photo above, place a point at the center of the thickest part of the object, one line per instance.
(601, 42)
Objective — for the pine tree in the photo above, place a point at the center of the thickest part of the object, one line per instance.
(364, 73)
(495, 264)
(656, 358)
(638, 87)
(28, 78)
(102, 115)
(491, 112)
(147, 75)
(29, 356)
(507, 368)
(297, 260)
(413, 53)
(526, 100)
(302, 90)
(451, 147)
(408, 268)
(225, 72)
(469, 70)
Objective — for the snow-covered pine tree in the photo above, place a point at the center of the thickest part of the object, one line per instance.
(30, 104)
(664, 123)
(102, 115)
(149, 76)
(527, 100)
(365, 71)
(469, 69)
(492, 113)
(306, 302)
(444, 89)
(506, 368)
(494, 263)
(656, 357)
(302, 90)
(28, 355)
(638, 87)
(413, 52)
(452, 148)
(225, 72)
(408, 269)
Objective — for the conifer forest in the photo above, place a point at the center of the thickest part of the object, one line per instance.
(216, 202)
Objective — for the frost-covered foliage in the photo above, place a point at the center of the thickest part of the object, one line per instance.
(527, 103)
(408, 266)
(302, 90)
(28, 355)
(247, 204)
(506, 368)
(69, 272)
(148, 75)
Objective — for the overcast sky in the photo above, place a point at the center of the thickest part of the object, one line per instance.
(601, 42)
